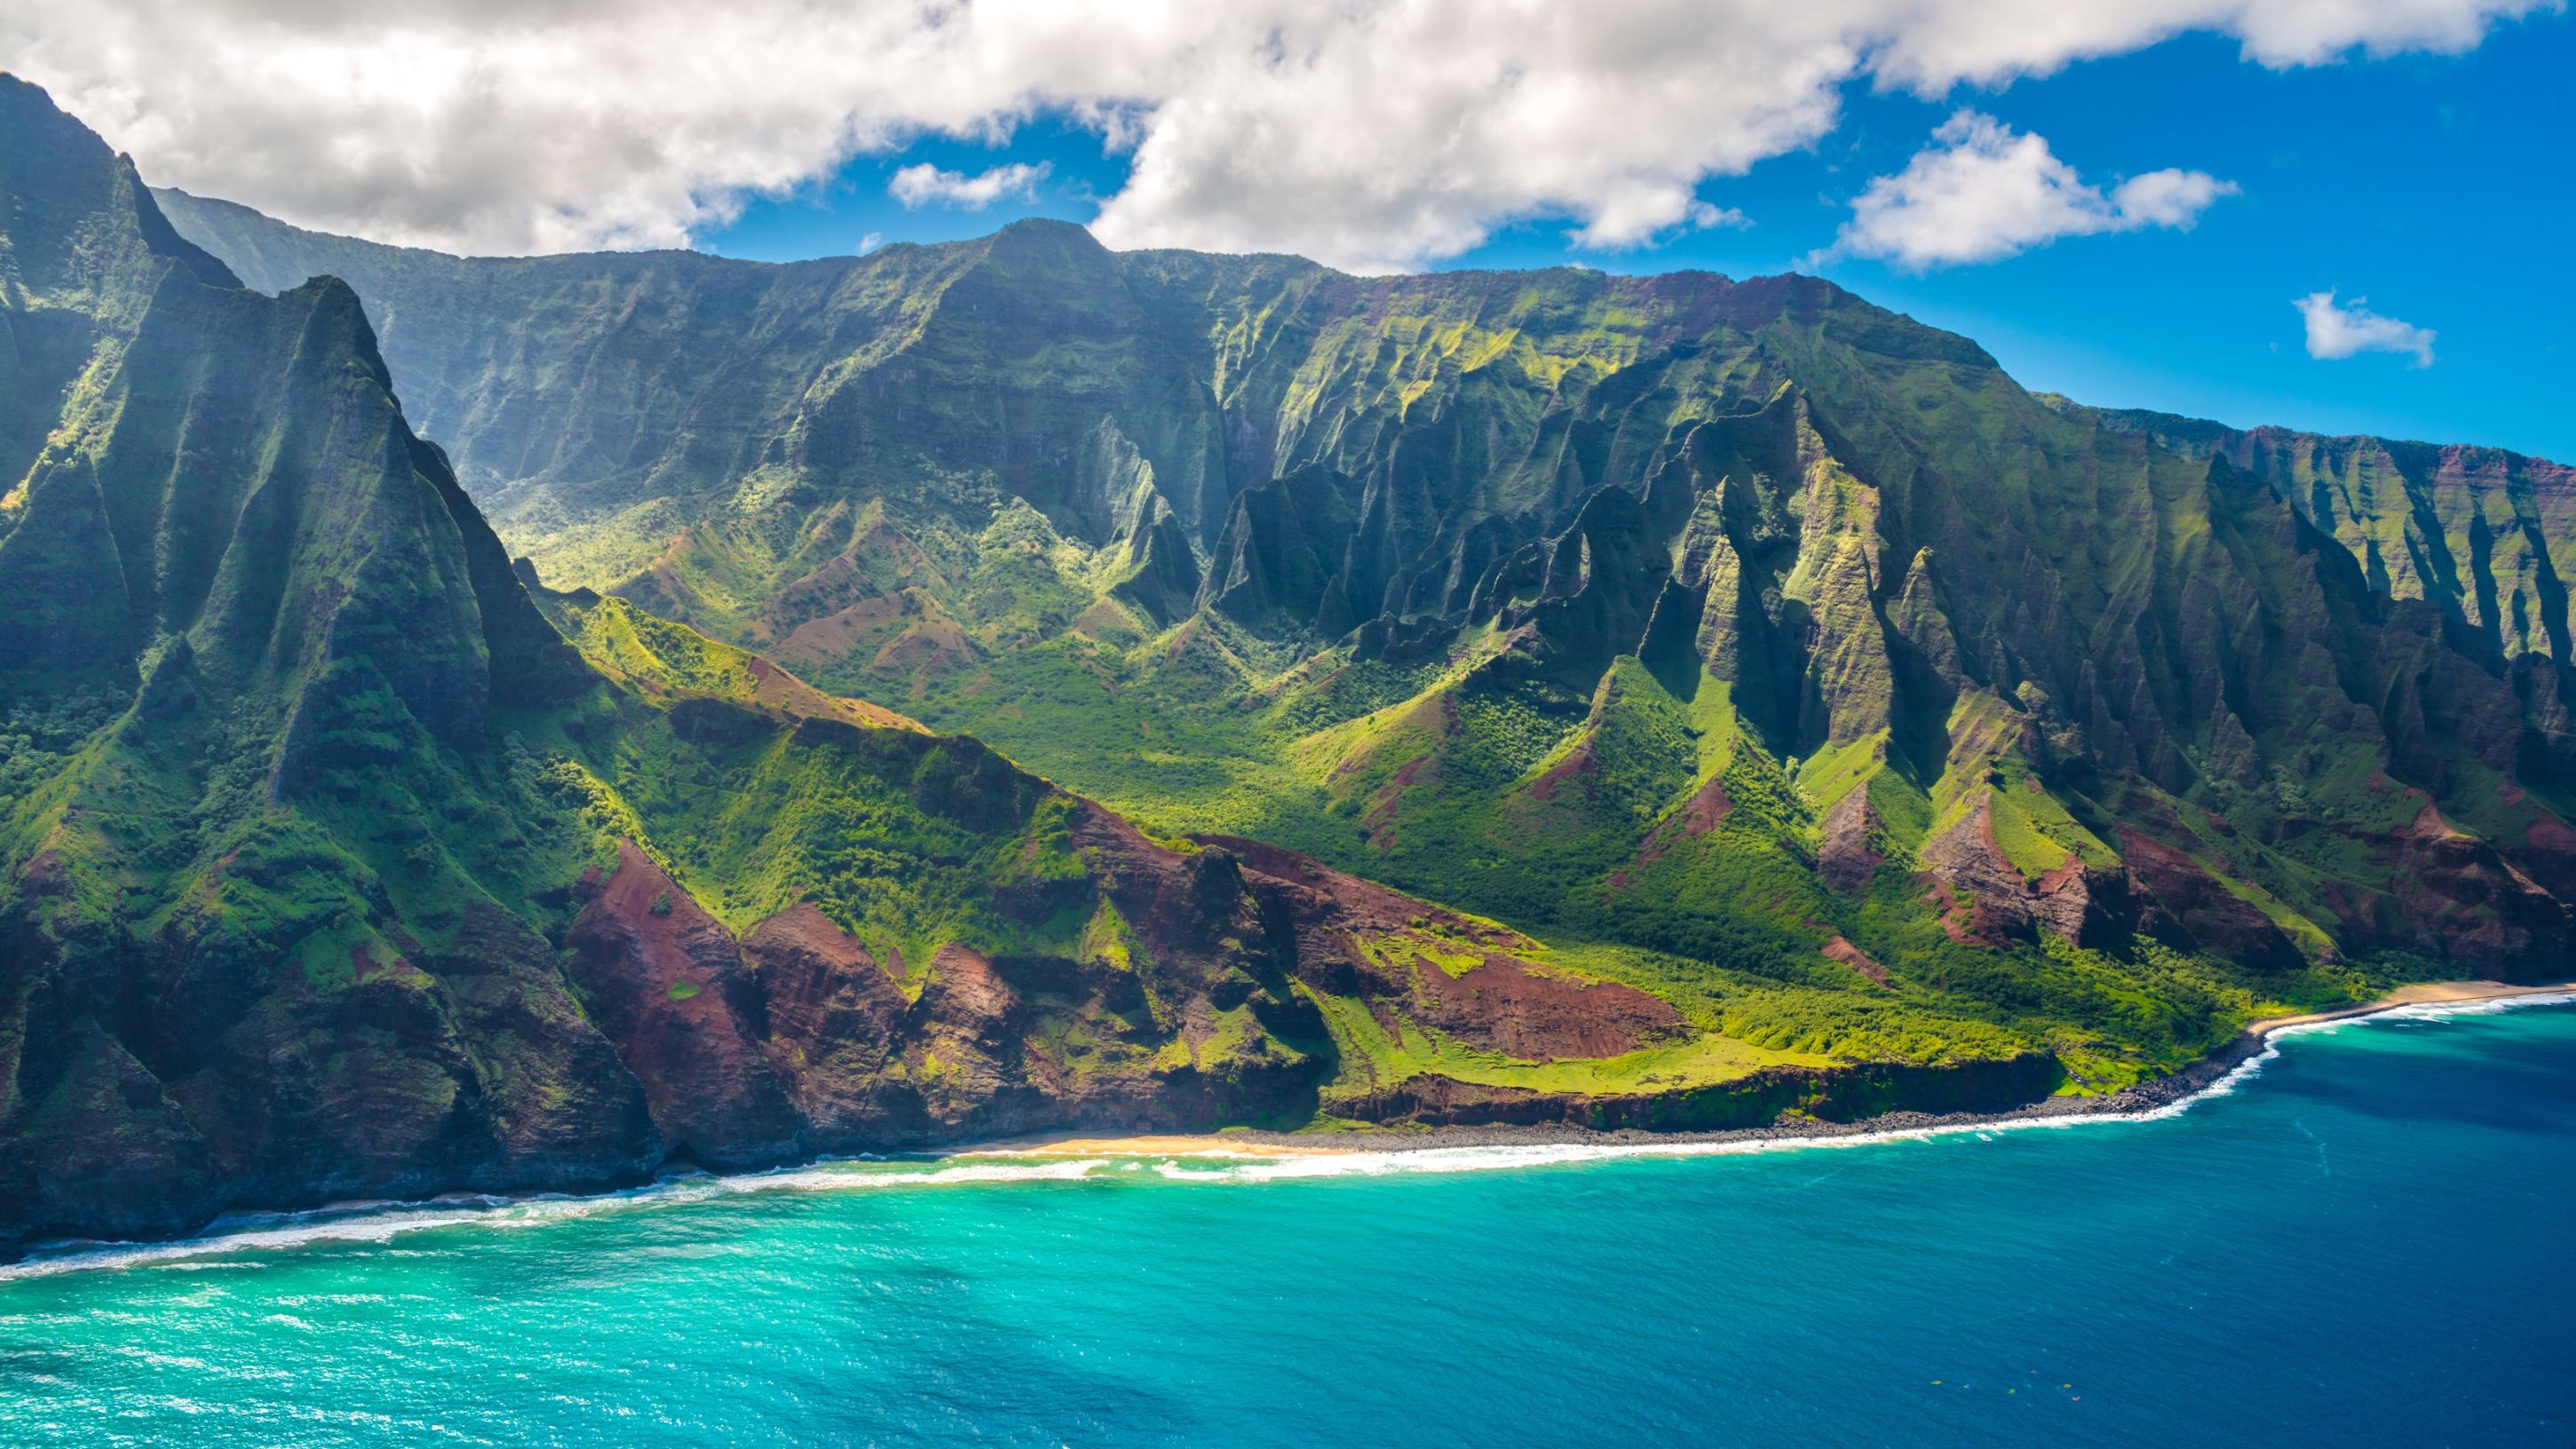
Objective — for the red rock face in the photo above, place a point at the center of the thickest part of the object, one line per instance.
(2468, 905)
(2187, 906)
(1321, 897)
(1504, 1003)
(665, 985)
(968, 1007)
(835, 1017)
(1507, 1006)
(1843, 856)
(2073, 900)
(2547, 853)
(795, 1039)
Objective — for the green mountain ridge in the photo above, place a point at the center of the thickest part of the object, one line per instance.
(1349, 563)
(1793, 715)
(339, 860)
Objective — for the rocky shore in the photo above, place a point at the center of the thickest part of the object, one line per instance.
(2139, 1100)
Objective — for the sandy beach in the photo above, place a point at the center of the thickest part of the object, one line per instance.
(1263, 1145)
(2423, 993)
(2147, 1097)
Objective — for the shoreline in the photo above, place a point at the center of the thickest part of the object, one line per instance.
(2145, 1099)
(1264, 1154)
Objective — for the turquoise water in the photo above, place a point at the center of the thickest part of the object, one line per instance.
(2365, 1242)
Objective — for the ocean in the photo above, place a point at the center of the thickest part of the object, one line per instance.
(2363, 1239)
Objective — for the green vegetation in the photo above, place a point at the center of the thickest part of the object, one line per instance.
(1579, 602)
(1373, 1057)
(1741, 645)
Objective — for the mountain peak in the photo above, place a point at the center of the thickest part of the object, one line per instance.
(62, 175)
(1033, 226)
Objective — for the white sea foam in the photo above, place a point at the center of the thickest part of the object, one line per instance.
(377, 1223)
(380, 1223)
(1515, 1155)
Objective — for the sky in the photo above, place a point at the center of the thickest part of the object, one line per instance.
(2341, 215)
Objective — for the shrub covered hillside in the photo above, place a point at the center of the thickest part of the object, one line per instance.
(1744, 641)
(336, 860)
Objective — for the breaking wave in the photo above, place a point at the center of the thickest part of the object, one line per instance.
(378, 1223)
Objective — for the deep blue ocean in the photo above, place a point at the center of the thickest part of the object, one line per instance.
(2364, 1241)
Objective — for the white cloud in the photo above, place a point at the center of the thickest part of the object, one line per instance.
(1650, 217)
(1373, 134)
(871, 242)
(923, 185)
(2167, 198)
(1982, 192)
(2337, 332)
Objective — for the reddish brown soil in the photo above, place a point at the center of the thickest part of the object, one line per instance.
(1503, 1004)
(932, 645)
(2468, 905)
(1579, 763)
(2548, 832)
(1707, 806)
(363, 965)
(1839, 949)
(1351, 903)
(778, 689)
(2186, 904)
(844, 585)
(44, 874)
(1843, 856)
(832, 636)
(662, 986)
(833, 1012)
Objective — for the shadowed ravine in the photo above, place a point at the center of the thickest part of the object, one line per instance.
(2398, 1181)
(509, 726)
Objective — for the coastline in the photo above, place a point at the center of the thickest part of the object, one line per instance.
(2146, 1099)
(1254, 1155)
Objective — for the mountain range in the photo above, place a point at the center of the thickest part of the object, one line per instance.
(1010, 684)
(1390, 568)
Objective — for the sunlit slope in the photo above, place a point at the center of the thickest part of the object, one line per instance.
(1747, 624)
(336, 860)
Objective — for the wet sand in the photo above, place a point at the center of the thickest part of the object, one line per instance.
(2144, 1098)
(1262, 1145)
(2424, 993)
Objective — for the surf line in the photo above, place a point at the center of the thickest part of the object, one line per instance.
(2255, 1046)
(378, 1222)
(2259, 1042)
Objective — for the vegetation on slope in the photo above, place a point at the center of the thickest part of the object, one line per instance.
(1791, 714)
(338, 860)
(1745, 641)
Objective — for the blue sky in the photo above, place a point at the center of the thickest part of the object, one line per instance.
(2442, 189)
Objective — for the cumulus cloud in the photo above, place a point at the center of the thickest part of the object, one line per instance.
(925, 185)
(1982, 192)
(1651, 216)
(2346, 331)
(1374, 134)
(2167, 198)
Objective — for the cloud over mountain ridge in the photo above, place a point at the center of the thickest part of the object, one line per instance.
(1375, 137)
